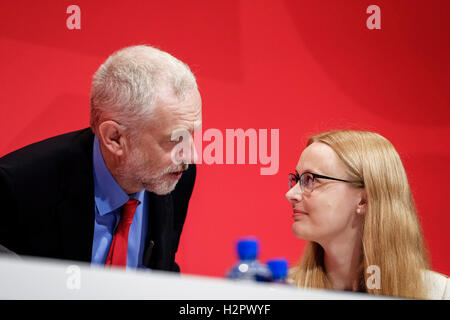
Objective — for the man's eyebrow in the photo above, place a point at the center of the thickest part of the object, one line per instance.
(197, 125)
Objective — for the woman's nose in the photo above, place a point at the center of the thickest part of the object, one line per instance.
(294, 194)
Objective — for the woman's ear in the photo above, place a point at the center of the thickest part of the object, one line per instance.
(362, 205)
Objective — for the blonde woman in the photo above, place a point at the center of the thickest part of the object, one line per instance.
(352, 202)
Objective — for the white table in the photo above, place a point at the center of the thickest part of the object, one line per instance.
(33, 278)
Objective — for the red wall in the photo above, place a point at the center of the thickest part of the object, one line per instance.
(298, 66)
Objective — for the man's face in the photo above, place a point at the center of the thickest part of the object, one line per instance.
(149, 164)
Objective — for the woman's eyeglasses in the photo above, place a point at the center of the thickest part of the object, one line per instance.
(307, 180)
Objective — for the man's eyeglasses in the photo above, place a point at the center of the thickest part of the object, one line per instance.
(307, 180)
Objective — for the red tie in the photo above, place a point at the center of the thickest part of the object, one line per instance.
(117, 255)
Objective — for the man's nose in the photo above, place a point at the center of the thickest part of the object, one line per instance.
(189, 155)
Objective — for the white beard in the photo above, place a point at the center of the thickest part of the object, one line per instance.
(159, 183)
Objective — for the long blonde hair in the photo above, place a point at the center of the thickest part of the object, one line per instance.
(391, 234)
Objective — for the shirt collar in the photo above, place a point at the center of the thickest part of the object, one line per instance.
(109, 196)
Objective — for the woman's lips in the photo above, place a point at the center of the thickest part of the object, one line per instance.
(298, 214)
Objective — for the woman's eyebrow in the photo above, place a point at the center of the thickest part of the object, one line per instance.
(299, 172)
(306, 170)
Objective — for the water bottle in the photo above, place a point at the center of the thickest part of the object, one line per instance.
(248, 267)
(278, 269)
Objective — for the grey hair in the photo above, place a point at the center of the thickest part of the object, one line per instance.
(126, 86)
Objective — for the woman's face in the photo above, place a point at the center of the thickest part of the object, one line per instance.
(329, 212)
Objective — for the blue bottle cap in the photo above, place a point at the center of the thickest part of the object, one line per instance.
(248, 248)
(278, 267)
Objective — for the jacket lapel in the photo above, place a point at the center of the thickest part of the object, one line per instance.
(76, 209)
(159, 253)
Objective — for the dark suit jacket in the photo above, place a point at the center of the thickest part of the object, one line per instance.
(47, 205)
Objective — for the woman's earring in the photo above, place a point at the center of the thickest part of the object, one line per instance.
(358, 210)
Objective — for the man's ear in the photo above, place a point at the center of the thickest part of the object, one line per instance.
(112, 136)
(362, 205)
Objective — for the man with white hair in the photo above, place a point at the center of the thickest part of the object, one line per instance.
(110, 194)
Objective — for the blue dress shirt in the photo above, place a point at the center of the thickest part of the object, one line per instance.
(109, 198)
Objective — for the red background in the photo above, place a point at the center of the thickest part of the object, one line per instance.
(298, 66)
